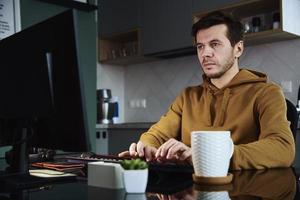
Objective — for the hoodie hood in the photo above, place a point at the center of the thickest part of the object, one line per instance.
(244, 76)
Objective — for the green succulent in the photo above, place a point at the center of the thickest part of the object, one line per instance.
(134, 164)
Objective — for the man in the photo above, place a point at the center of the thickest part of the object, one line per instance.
(238, 100)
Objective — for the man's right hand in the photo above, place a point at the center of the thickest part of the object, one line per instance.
(140, 150)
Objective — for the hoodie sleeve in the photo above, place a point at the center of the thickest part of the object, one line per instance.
(275, 146)
(169, 125)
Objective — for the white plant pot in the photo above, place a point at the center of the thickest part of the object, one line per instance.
(135, 181)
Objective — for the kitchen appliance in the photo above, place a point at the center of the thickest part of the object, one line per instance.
(105, 106)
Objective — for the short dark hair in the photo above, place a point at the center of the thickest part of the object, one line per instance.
(235, 30)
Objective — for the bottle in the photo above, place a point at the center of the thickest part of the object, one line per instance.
(276, 20)
(246, 27)
(115, 118)
(256, 23)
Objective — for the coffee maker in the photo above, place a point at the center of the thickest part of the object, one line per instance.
(105, 106)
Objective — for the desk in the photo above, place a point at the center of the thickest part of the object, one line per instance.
(254, 184)
(271, 184)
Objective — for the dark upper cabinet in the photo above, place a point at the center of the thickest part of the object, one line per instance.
(117, 16)
(165, 25)
(246, 10)
(200, 5)
(154, 28)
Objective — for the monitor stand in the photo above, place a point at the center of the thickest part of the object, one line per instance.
(18, 157)
(16, 176)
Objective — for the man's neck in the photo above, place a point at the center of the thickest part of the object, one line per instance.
(226, 78)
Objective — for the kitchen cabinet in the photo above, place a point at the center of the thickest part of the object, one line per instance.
(165, 25)
(117, 16)
(201, 6)
(121, 48)
(114, 138)
(119, 32)
(287, 10)
(118, 23)
(161, 29)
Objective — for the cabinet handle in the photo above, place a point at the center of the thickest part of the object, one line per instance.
(97, 134)
(104, 134)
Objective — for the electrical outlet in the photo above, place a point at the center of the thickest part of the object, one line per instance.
(138, 103)
(132, 103)
(143, 103)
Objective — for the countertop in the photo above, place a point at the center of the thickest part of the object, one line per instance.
(134, 125)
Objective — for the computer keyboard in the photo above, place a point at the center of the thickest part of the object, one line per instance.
(91, 157)
(170, 167)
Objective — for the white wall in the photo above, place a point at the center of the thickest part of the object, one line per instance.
(160, 82)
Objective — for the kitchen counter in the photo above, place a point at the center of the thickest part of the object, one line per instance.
(134, 125)
(115, 138)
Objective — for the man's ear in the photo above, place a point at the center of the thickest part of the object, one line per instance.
(239, 48)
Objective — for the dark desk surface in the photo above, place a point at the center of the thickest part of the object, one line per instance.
(256, 184)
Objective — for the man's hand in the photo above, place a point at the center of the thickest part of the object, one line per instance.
(174, 150)
(140, 150)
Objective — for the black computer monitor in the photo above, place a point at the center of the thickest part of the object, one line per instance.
(41, 90)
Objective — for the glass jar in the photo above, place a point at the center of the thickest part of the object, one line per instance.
(256, 23)
(276, 20)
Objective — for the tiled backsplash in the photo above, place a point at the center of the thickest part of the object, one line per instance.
(161, 81)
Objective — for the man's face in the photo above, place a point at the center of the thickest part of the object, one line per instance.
(215, 53)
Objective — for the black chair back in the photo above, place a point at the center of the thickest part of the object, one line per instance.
(292, 116)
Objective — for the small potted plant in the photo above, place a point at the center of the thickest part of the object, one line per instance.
(135, 175)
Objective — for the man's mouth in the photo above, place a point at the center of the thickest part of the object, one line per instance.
(207, 64)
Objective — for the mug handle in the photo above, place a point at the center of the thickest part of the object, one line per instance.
(231, 147)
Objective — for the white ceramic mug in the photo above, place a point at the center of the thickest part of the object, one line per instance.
(217, 195)
(211, 152)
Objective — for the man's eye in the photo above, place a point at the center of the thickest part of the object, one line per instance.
(199, 46)
(214, 45)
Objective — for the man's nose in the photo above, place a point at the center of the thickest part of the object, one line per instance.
(207, 52)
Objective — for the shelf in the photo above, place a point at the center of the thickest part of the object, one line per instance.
(245, 9)
(264, 9)
(73, 4)
(129, 60)
(268, 36)
(121, 49)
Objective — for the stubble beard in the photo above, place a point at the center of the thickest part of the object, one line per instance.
(224, 68)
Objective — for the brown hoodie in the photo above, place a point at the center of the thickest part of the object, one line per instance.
(250, 107)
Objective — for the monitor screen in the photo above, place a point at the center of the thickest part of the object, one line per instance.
(41, 87)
